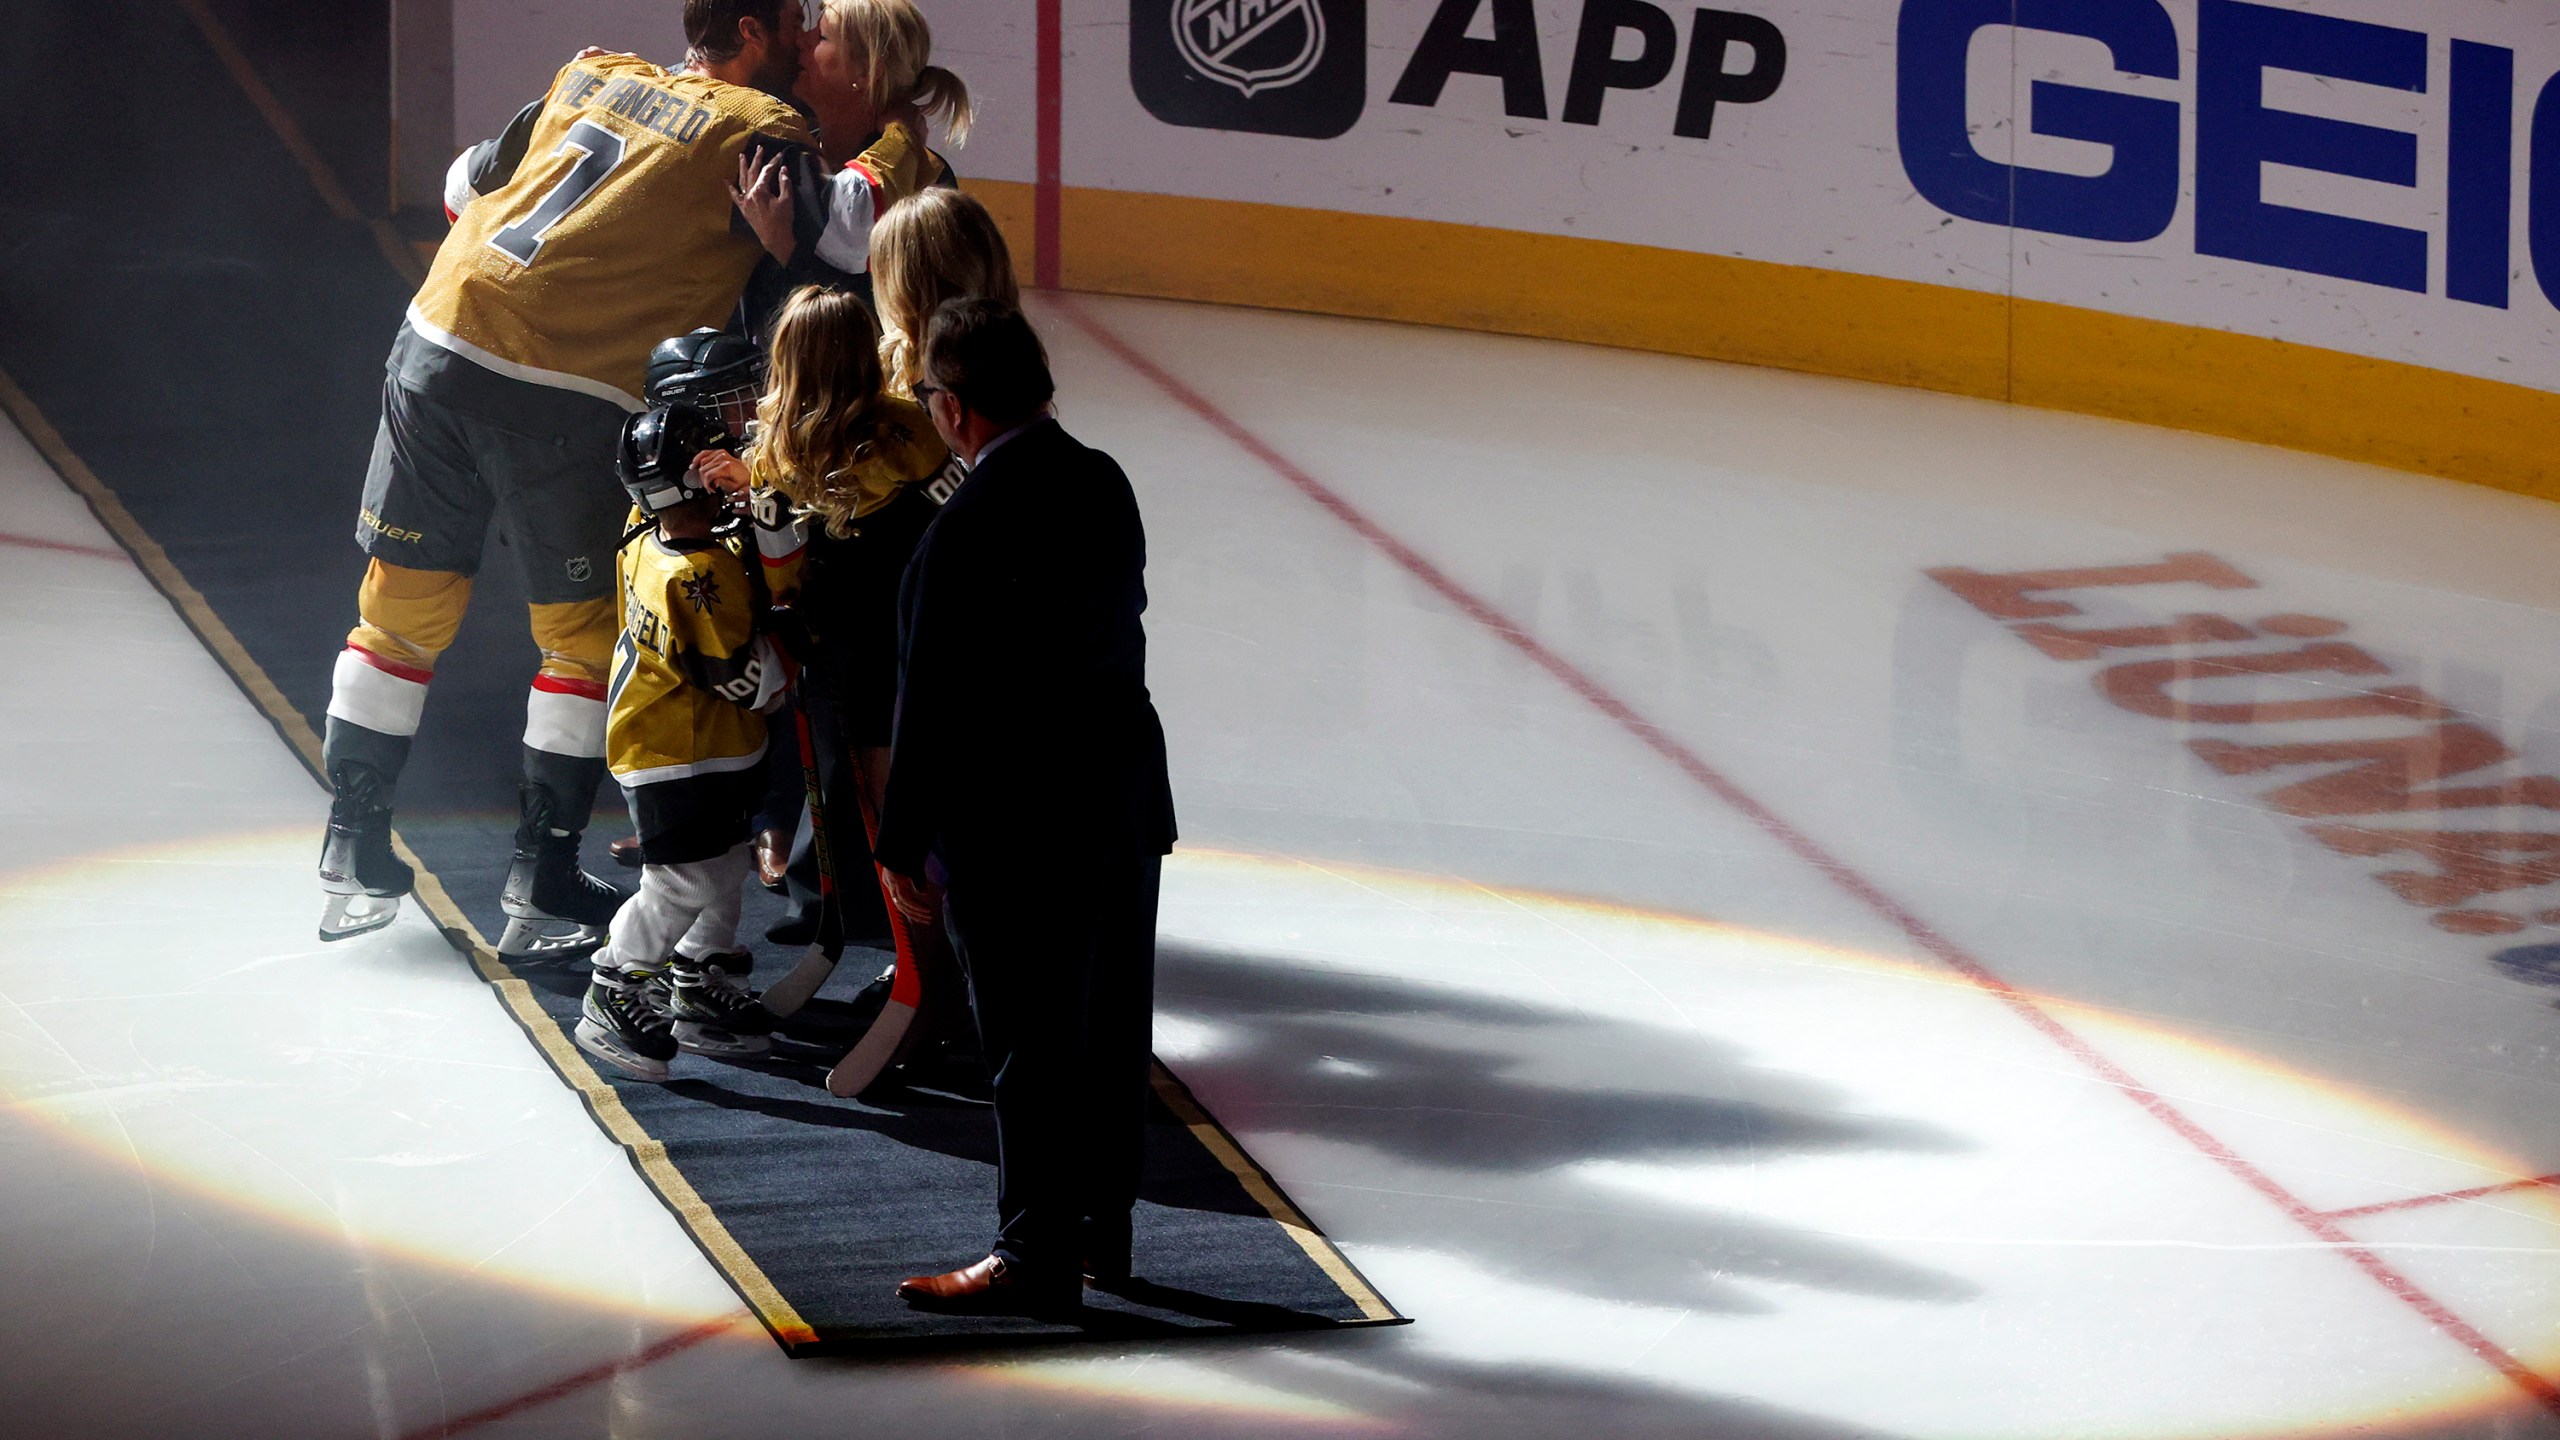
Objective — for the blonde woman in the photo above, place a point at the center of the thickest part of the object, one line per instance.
(933, 246)
(860, 474)
(872, 63)
(871, 83)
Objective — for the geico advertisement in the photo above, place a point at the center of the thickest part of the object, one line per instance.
(2375, 176)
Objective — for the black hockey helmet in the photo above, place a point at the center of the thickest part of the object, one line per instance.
(655, 459)
(710, 370)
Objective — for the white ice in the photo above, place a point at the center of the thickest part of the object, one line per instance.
(1653, 1124)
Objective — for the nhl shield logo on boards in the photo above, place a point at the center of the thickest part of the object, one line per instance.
(1271, 67)
(1250, 44)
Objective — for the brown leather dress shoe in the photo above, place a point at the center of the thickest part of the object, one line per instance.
(773, 857)
(994, 1283)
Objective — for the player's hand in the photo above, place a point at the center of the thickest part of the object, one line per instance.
(913, 899)
(763, 195)
(591, 52)
(719, 470)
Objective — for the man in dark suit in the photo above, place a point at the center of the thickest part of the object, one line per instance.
(1028, 766)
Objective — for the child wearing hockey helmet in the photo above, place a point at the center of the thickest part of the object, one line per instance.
(694, 674)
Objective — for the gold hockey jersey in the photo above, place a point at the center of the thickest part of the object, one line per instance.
(903, 450)
(613, 233)
(690, 665)
(896, 166)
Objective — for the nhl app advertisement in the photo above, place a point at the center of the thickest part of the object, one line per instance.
(2367, 176)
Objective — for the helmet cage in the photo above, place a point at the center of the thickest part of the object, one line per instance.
(734, 403)
(712, 371)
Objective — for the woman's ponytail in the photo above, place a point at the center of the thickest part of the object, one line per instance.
(897, 49)
(944, 96)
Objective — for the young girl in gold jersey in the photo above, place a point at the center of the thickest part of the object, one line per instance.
(859, 473)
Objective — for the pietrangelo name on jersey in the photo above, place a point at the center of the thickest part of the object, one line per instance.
(642, 626)
(639, 102)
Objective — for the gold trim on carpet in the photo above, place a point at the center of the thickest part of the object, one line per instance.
(1257, 1182)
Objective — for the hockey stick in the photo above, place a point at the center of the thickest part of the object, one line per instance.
(785, 996)
(879, 1045)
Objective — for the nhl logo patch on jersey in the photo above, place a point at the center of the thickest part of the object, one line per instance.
(579, 569)
(1274, 67)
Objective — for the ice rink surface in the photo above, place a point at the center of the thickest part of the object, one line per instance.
(1716, 975)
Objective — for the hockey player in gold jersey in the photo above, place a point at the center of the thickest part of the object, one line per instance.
(603, 220)
(540, 273)
(693, 676)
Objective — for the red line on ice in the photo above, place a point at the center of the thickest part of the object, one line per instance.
(1803, 846)
(1047, 180)
(677, 1343)
(64, 547)
(2420, 1202)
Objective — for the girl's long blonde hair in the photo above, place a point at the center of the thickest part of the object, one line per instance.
(897, 47)
(821, 407)
(935, 245)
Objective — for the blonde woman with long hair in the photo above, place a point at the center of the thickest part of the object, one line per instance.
(873, 63)
(875, 92)
(848, 477)
(933, 246)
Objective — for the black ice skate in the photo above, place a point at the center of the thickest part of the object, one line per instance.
(623, 1022)
(714, 1014)
(360, 875)
(554, 909)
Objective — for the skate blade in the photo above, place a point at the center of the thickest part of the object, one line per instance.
(599, 1043)
(529, 939)
(871, 1055)
(347, 916)
(712, 1040)
(785, 996)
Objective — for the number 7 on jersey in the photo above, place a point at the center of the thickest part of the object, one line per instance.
(599, 150)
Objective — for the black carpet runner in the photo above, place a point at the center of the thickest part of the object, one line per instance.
(814, 1207)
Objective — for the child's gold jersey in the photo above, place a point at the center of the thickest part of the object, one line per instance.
(688, 669)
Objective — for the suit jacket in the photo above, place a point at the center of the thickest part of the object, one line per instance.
(1024, 729)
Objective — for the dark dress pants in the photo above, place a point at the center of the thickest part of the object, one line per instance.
(1060, 956)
